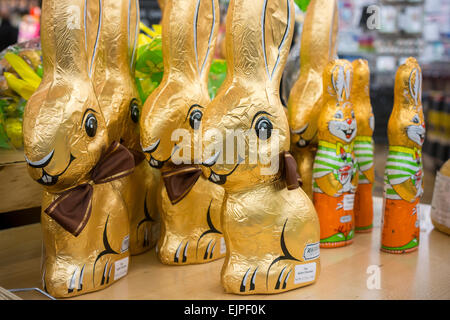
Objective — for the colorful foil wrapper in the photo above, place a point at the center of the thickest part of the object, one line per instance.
(85, 104)
(190, 205)
(271, 232)
(363, 146)
(318, 47)
(335, 167)
(403, 174)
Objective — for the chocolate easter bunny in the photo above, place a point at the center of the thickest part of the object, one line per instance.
(318, 47)
(190, 205)
(403, 174)
(335, 167)
(363, 146)
(84, 218)
(271, 232)
(114, 85)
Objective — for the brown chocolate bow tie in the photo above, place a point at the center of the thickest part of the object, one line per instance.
(72, 208)
(179, 180)
(138, 156)
(290, 173)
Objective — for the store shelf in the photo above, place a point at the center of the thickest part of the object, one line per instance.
(16, 185)
(422, 274)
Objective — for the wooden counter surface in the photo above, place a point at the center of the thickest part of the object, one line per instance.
(423, 274)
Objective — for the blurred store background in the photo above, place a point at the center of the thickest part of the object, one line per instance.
(385, 32)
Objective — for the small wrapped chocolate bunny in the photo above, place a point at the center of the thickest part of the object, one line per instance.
(335, 168)
(271, 228)
(403, 173)
(363, 146)
(190, 205)
(85, 221)
(318, 47)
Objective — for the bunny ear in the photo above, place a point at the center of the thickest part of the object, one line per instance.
(133, 31)
(204, 30)
(276, 27)
(332, 42)
(341, 79)
(259, 33)
(93, 11)
(415, 85)
(63, 36)
(189, 32)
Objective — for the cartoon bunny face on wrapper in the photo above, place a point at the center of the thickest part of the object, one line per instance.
(318, 47)
(407, 125)
(337, 124)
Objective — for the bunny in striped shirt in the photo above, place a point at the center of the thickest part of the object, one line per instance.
(404, 169)
(334, 170)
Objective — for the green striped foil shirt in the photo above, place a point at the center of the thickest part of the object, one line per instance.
(402, 164)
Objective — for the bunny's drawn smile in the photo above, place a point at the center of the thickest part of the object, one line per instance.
(47, 179)
(220, 178)
(215, 177)
(157, 164)
(301, 143)
(345, 130)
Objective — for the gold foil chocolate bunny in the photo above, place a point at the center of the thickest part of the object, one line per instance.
(403, 174)
(271, 228)
(363, 146)
(84, 219)
(318, 47)
(335, 168)
(190, 205)
(114, 85)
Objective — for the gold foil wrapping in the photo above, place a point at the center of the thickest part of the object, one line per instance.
(404, 167)
(318, 47)
(87, 100)
(335, 168)
(363, 146)
(191, 231)
(114, 84)
(271, 233)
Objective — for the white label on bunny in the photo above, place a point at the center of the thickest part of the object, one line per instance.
(121, 268)
(125, 244)
(223, 246)
(345, 219)
(312, 251)
(349, 199)
(305, 272)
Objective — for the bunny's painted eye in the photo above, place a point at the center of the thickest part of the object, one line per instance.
(353, 115)
(134, 111)
(195, 118)
(339, 115)
(263, 128)
(416, 119)
(90, 125)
